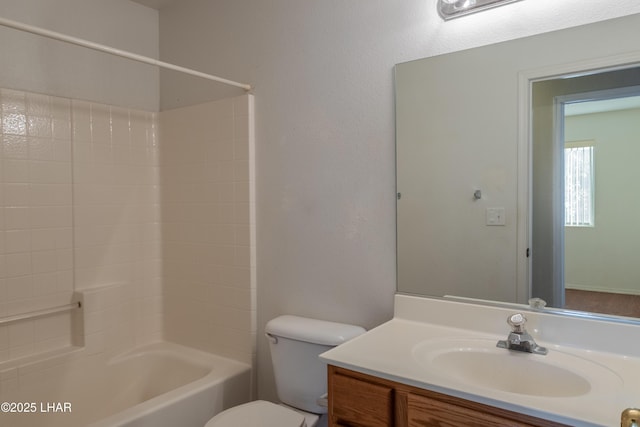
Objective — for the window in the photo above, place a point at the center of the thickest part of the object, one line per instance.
(578, 184)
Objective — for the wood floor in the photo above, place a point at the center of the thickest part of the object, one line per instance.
(603, 302)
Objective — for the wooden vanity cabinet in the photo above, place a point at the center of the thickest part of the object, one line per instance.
(359, 400)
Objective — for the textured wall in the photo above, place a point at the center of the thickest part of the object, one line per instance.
(37, 64)
(323, 78)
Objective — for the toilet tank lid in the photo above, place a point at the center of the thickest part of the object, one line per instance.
(312, 330)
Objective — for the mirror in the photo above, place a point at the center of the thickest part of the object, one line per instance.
(480, 211)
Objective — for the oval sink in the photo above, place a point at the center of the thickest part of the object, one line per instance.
(480, 363)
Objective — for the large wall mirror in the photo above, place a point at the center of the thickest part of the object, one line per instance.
(516, 168)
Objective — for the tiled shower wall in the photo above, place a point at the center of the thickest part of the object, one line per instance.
(79, 202)
(208, 221)
(158, 238)
(116, 217)
(36, 235)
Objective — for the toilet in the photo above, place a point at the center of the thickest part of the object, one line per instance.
(301, 377)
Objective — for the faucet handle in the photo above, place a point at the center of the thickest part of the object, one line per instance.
(519, 339)
(630, 417)
(517, 321)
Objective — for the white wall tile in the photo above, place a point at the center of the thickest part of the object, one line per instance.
(42, 141)
(81, 112)
(15, 170)
(39, 126)
(17, 241)
(15, 146)
(47, 284)
(19, 288)
(16, 218)
(205, 174)
(43, 262)
(120, 128)
(100, 124)
(41, 149)
(21, 334)
(13, 101)
(37, 104)
(61, 128)
(149, 232)
(14, 124)
(16, 195)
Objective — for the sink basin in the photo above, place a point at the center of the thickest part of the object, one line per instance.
(478, 362)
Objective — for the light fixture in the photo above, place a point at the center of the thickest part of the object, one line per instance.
(449, 9)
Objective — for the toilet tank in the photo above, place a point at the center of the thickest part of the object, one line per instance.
(295, 343)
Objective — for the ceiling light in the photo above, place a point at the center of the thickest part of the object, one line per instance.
(449, 9)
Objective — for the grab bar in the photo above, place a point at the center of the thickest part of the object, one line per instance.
(40, 313)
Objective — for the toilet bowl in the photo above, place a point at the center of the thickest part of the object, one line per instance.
(261, 413)
(295, 344)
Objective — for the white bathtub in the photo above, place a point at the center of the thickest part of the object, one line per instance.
(160, 385)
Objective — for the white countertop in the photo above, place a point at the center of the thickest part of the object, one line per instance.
(388, 352)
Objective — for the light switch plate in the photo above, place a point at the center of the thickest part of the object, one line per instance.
(496, 216)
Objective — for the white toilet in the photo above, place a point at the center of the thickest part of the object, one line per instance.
(301, 377)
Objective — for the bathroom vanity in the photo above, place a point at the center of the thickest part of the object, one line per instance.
(437, 363)
(357, 399)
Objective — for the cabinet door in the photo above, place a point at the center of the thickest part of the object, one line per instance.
(426, 412)
(357, 403)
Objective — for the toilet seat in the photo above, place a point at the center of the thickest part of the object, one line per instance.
(259, 413)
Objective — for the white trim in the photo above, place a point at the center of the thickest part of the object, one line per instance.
(524, 181)
(601, 95)
(558, 204)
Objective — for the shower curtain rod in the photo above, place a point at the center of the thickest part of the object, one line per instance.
(117, 52)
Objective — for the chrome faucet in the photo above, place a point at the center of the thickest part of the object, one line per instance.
(519, 339)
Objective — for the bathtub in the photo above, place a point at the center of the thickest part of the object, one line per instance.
(160, 385)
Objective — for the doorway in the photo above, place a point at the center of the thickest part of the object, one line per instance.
(582, 185)
(597, 135)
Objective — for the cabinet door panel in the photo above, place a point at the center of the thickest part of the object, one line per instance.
(361, 403)
(426, 412)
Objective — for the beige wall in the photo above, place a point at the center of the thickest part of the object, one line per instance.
(604, 257)
(37, 64)
(323, 80)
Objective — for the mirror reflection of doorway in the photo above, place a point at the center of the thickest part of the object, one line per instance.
(601, 148)
(598, 267)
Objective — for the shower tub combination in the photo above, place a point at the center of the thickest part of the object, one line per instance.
(160, 385)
